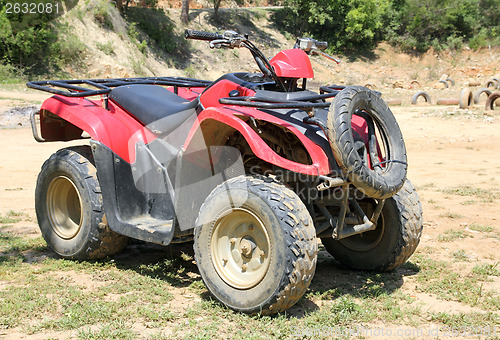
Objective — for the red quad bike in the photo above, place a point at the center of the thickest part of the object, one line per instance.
(253, 166)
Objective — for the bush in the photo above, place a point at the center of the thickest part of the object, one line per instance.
(410, 24)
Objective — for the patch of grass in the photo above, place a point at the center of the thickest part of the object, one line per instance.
(198, 286)
(107, 48)
(10, 243)
(460, 255)
(485, 194)
(11, 217)
(437, 278)
(101, 12)
(190, 71)
(114, 330)
(458, 321)
(451, 215)
(481, 228)
(426, 186)
(452, 235)
(468, 202)
(484, 270)
(137, 67)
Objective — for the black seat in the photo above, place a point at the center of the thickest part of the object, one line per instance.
(156, 107)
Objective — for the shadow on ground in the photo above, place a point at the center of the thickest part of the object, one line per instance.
(175, 264)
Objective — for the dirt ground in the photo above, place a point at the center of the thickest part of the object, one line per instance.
(453, 158)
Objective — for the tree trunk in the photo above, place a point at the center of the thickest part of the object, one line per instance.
(216, 9)
(185, 11)
(119, 5)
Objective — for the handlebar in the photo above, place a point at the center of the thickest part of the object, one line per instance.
(200, 35)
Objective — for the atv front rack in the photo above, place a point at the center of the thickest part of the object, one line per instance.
(274, 101)
(96, 87)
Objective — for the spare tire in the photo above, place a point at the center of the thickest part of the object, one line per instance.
(378, 179)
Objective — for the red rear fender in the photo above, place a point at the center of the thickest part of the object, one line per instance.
(114, 127)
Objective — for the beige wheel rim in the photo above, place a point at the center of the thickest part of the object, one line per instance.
(240, 248)
(64, 207)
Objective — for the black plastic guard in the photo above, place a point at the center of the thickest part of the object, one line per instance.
(140, 214)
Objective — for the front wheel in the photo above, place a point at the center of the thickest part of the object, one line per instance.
(396, 237)
(69, 208)
(255, 245)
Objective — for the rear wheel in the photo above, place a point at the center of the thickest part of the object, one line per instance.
(69, 210)
(255, 245)
(396, 237)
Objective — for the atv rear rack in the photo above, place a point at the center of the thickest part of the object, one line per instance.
(96, 87)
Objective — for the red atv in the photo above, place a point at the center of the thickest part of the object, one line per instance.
(253, 166)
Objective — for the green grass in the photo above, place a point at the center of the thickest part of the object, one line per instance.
(436, 277)
(484, 270)
(452, 235)
(11, 217)
(451, 215)
(113, 330)
(460, 255)
(468, 202)
(159, 290)
(481, 228)
(107, 48)
(484, 194)
(456, 321)
(426, 186)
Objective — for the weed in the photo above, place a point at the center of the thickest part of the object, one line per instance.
(484, 270)
(437, 278)
(470, 191)
(101, 12)
(107, 48)
(114, 330)
(426, 186)
(481, 228)
(9, 74)
(190, 71)
(10, 218)
(487, 321)
(71, 48)
(137, 67)
(460, 255)
(451, 215)
(452, 235)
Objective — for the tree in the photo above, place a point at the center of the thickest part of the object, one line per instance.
(185, 11)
